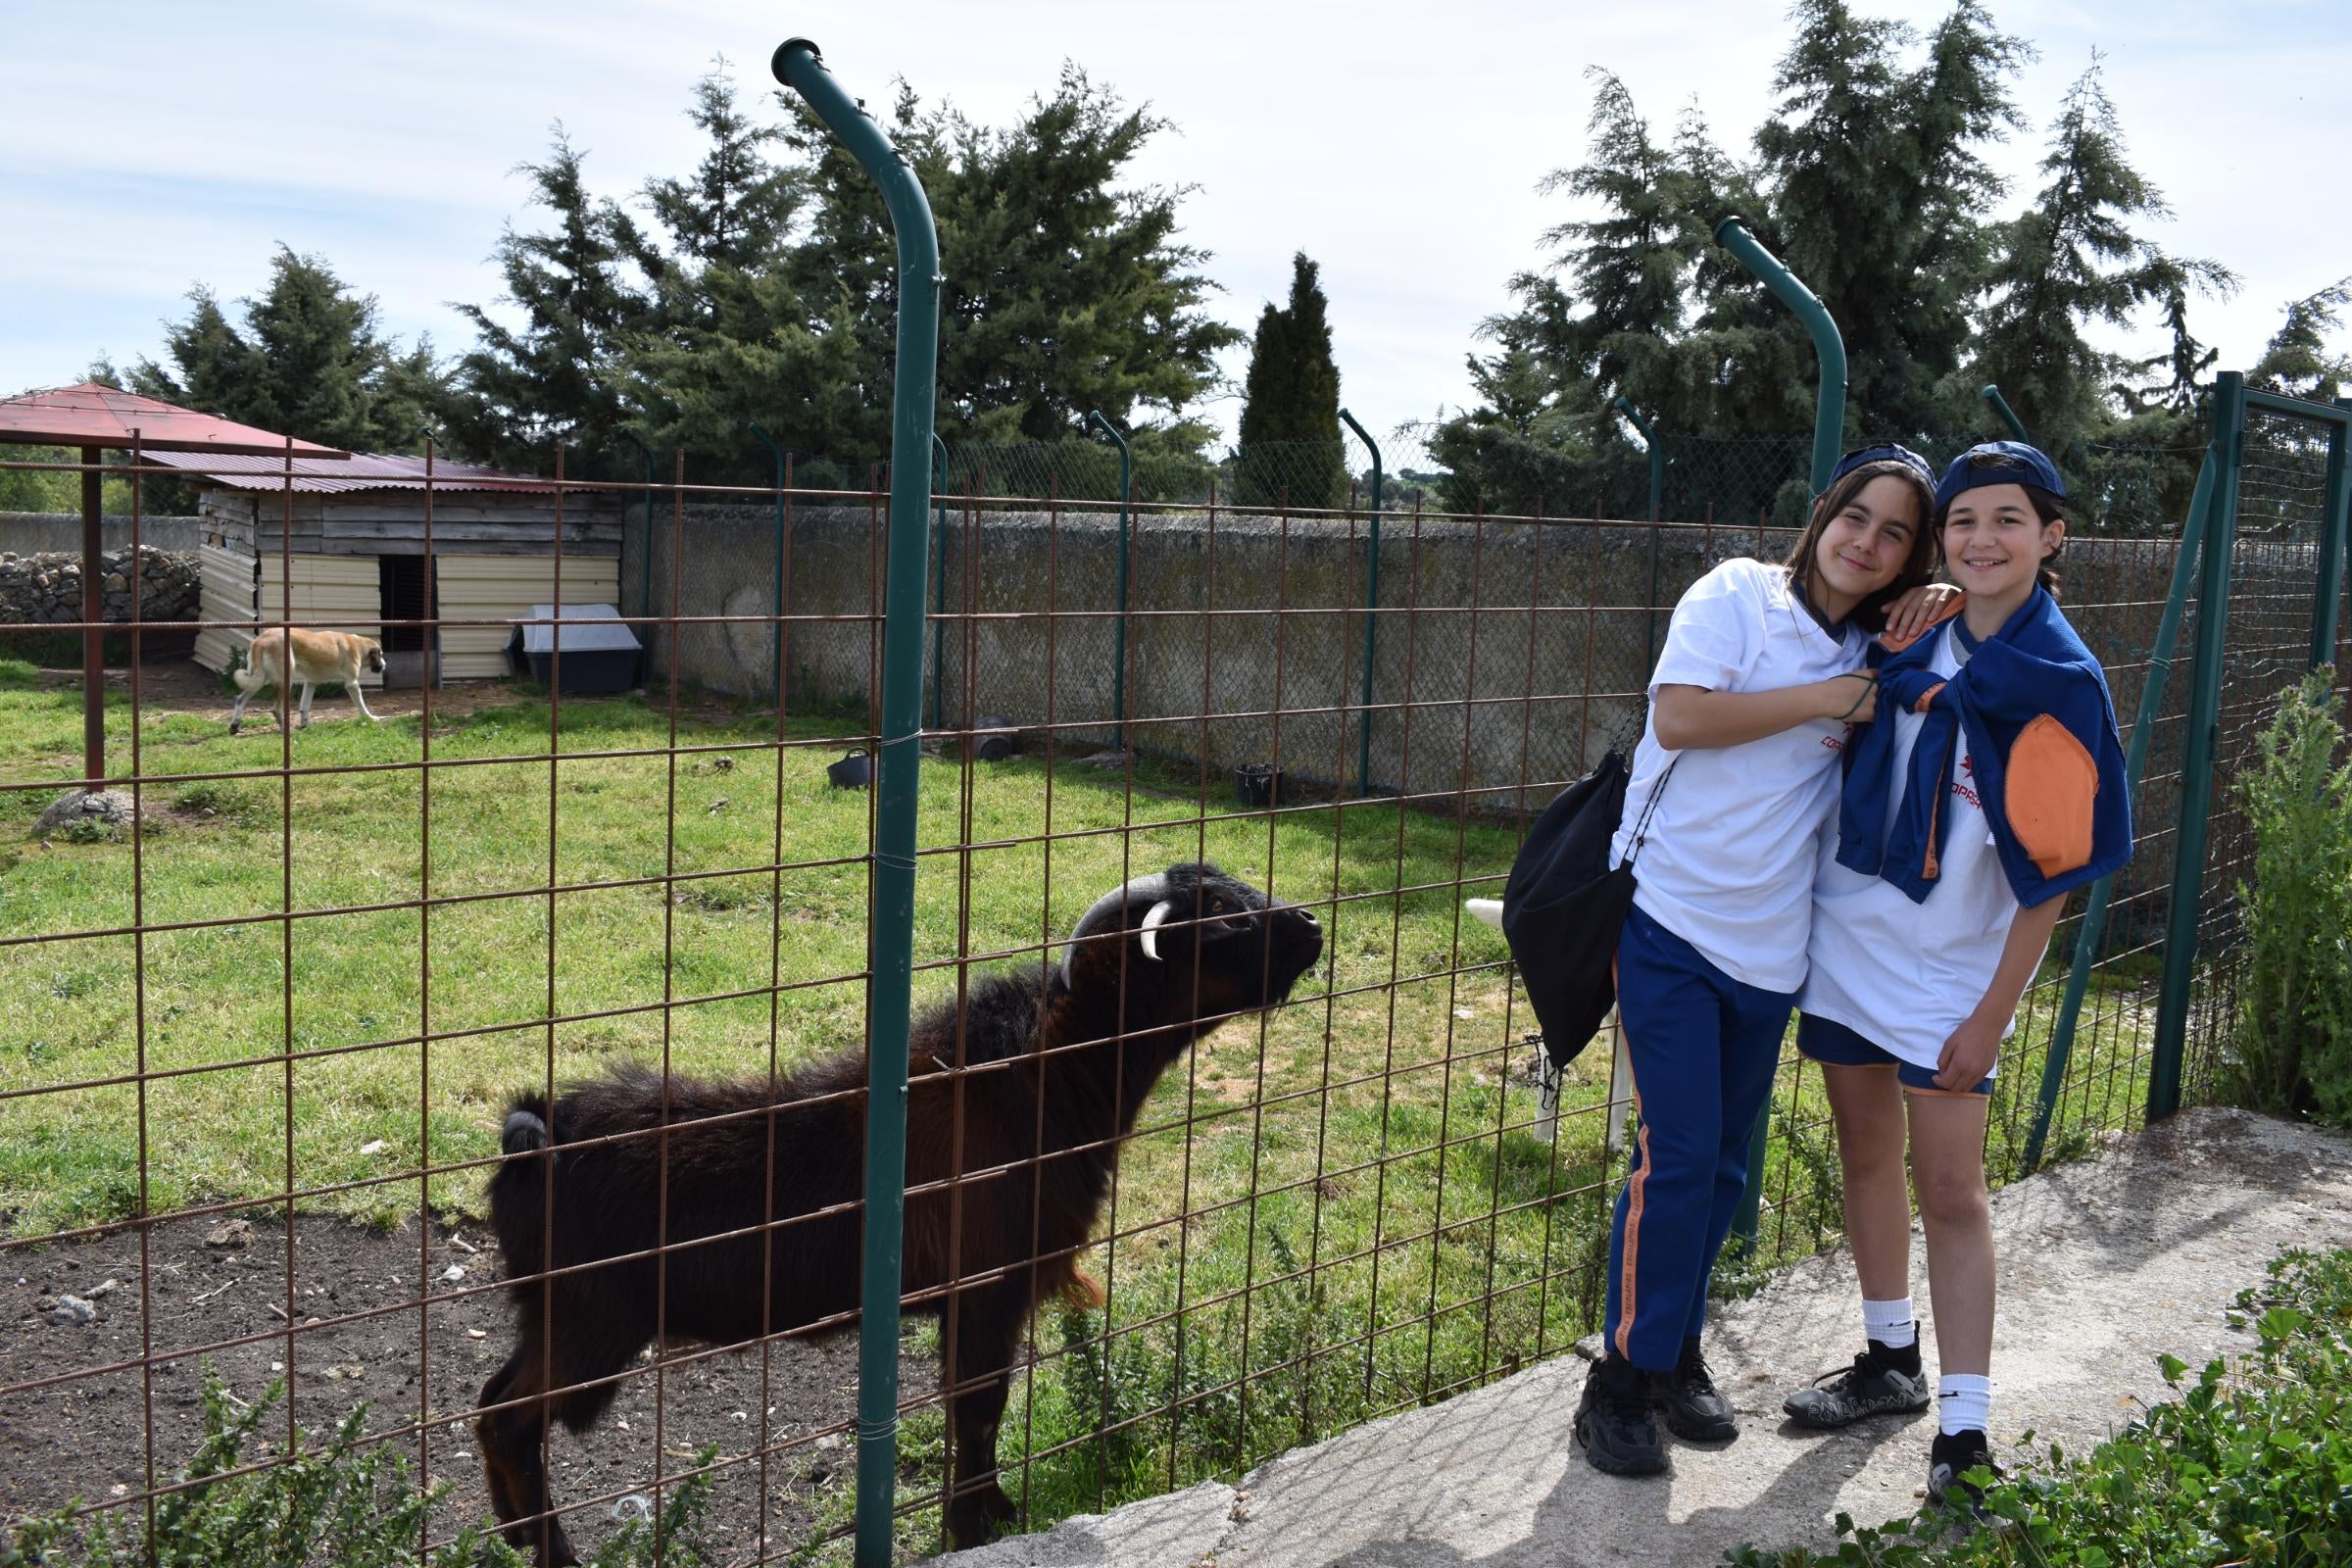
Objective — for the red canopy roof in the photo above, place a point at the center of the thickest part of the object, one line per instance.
(94, 415)
(360, 471)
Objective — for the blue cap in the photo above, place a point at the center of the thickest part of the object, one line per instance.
(1884, 452)
(1999, 463)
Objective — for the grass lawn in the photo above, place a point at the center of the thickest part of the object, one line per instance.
(1338, 1210)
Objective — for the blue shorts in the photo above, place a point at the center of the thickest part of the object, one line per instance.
(1824, 1039)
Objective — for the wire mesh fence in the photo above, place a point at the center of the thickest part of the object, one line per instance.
(2280, 517)
(258, 1088)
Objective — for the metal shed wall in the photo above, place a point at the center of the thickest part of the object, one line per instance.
(505, 588)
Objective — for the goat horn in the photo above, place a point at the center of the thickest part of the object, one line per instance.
(1151, 927)
(1154, 886)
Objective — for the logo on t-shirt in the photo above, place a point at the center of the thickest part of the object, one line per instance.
(1967, 770)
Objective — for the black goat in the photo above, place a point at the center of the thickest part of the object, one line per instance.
(1148, 969)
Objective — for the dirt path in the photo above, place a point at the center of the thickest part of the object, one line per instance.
(363, 1337)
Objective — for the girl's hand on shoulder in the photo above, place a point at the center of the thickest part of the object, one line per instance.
(1969, 1055)
(1918, 609)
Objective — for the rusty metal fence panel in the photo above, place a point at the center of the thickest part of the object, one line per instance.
(262, 1040)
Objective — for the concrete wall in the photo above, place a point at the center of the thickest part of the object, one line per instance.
(27, 534)
(1505, 654)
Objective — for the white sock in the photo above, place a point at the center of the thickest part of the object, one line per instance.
(1963, 1403)
(1889, 1322)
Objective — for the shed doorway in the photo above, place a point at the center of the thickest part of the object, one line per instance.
(406, 590)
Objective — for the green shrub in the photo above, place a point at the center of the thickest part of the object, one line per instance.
(2292, 1050)
(2251, 1465)
(349, 1504)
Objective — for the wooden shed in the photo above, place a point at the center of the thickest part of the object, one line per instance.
(358, 554)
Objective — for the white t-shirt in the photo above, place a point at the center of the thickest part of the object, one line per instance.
(1905, 975)
(1729, 859)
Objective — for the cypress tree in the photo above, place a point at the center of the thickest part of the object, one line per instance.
(1289, 429)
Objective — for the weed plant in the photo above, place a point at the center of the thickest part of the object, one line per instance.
(350, 1503)
(2293, 1049)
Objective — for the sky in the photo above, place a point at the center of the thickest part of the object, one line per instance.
(1399, 145)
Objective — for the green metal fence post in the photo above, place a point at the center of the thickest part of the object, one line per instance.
(2336, 513)
(1363, 741)
(939, 599)
(2196, 772)
(1828, 430)
(2135, 767)
(776, 658)
(1118, 658)
(1657, 509)
(914, 393)
(1828, 347)
(2000, 406)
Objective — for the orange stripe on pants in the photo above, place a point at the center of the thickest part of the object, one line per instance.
(1633, 1198)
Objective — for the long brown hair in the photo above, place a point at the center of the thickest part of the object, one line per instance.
(1918, 567)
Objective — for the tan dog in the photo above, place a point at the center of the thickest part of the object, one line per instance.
(319, 657)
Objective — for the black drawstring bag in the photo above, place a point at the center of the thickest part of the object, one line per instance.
(1565, 906)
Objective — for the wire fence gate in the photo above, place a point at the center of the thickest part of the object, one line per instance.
(263, 1040)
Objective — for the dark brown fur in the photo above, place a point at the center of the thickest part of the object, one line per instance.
(1039, 1132)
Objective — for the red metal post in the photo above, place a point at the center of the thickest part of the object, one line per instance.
(93, 637)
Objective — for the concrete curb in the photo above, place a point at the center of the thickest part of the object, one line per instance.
(2105, 1265)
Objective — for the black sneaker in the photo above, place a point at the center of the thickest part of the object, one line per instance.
(1873, 1385)
(1615, 1423)
(1696, 1410)
(1955, 1454)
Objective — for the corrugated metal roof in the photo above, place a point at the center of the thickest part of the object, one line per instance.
(601, 632)
(362, 471)
(94, 415)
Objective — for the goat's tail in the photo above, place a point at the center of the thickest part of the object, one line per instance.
(518, 1189)
(527, 1128)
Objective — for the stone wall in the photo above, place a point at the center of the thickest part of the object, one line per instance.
(33, 532)
(45, 589)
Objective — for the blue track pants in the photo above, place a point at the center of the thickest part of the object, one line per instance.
(1703, 1048)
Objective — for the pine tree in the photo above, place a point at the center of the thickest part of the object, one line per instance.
(1290, 428)
(1068, 290)
(1631, 261)
(308, 362)
(726, 341)
(1531, 443)
(558, 377)
(1953, 104)
(739, 206)
(1879, 196)
(2296, 360)
(2069, 259)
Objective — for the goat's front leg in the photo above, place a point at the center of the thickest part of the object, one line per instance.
(307, 689)
(360, 697)
(988, 1324)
